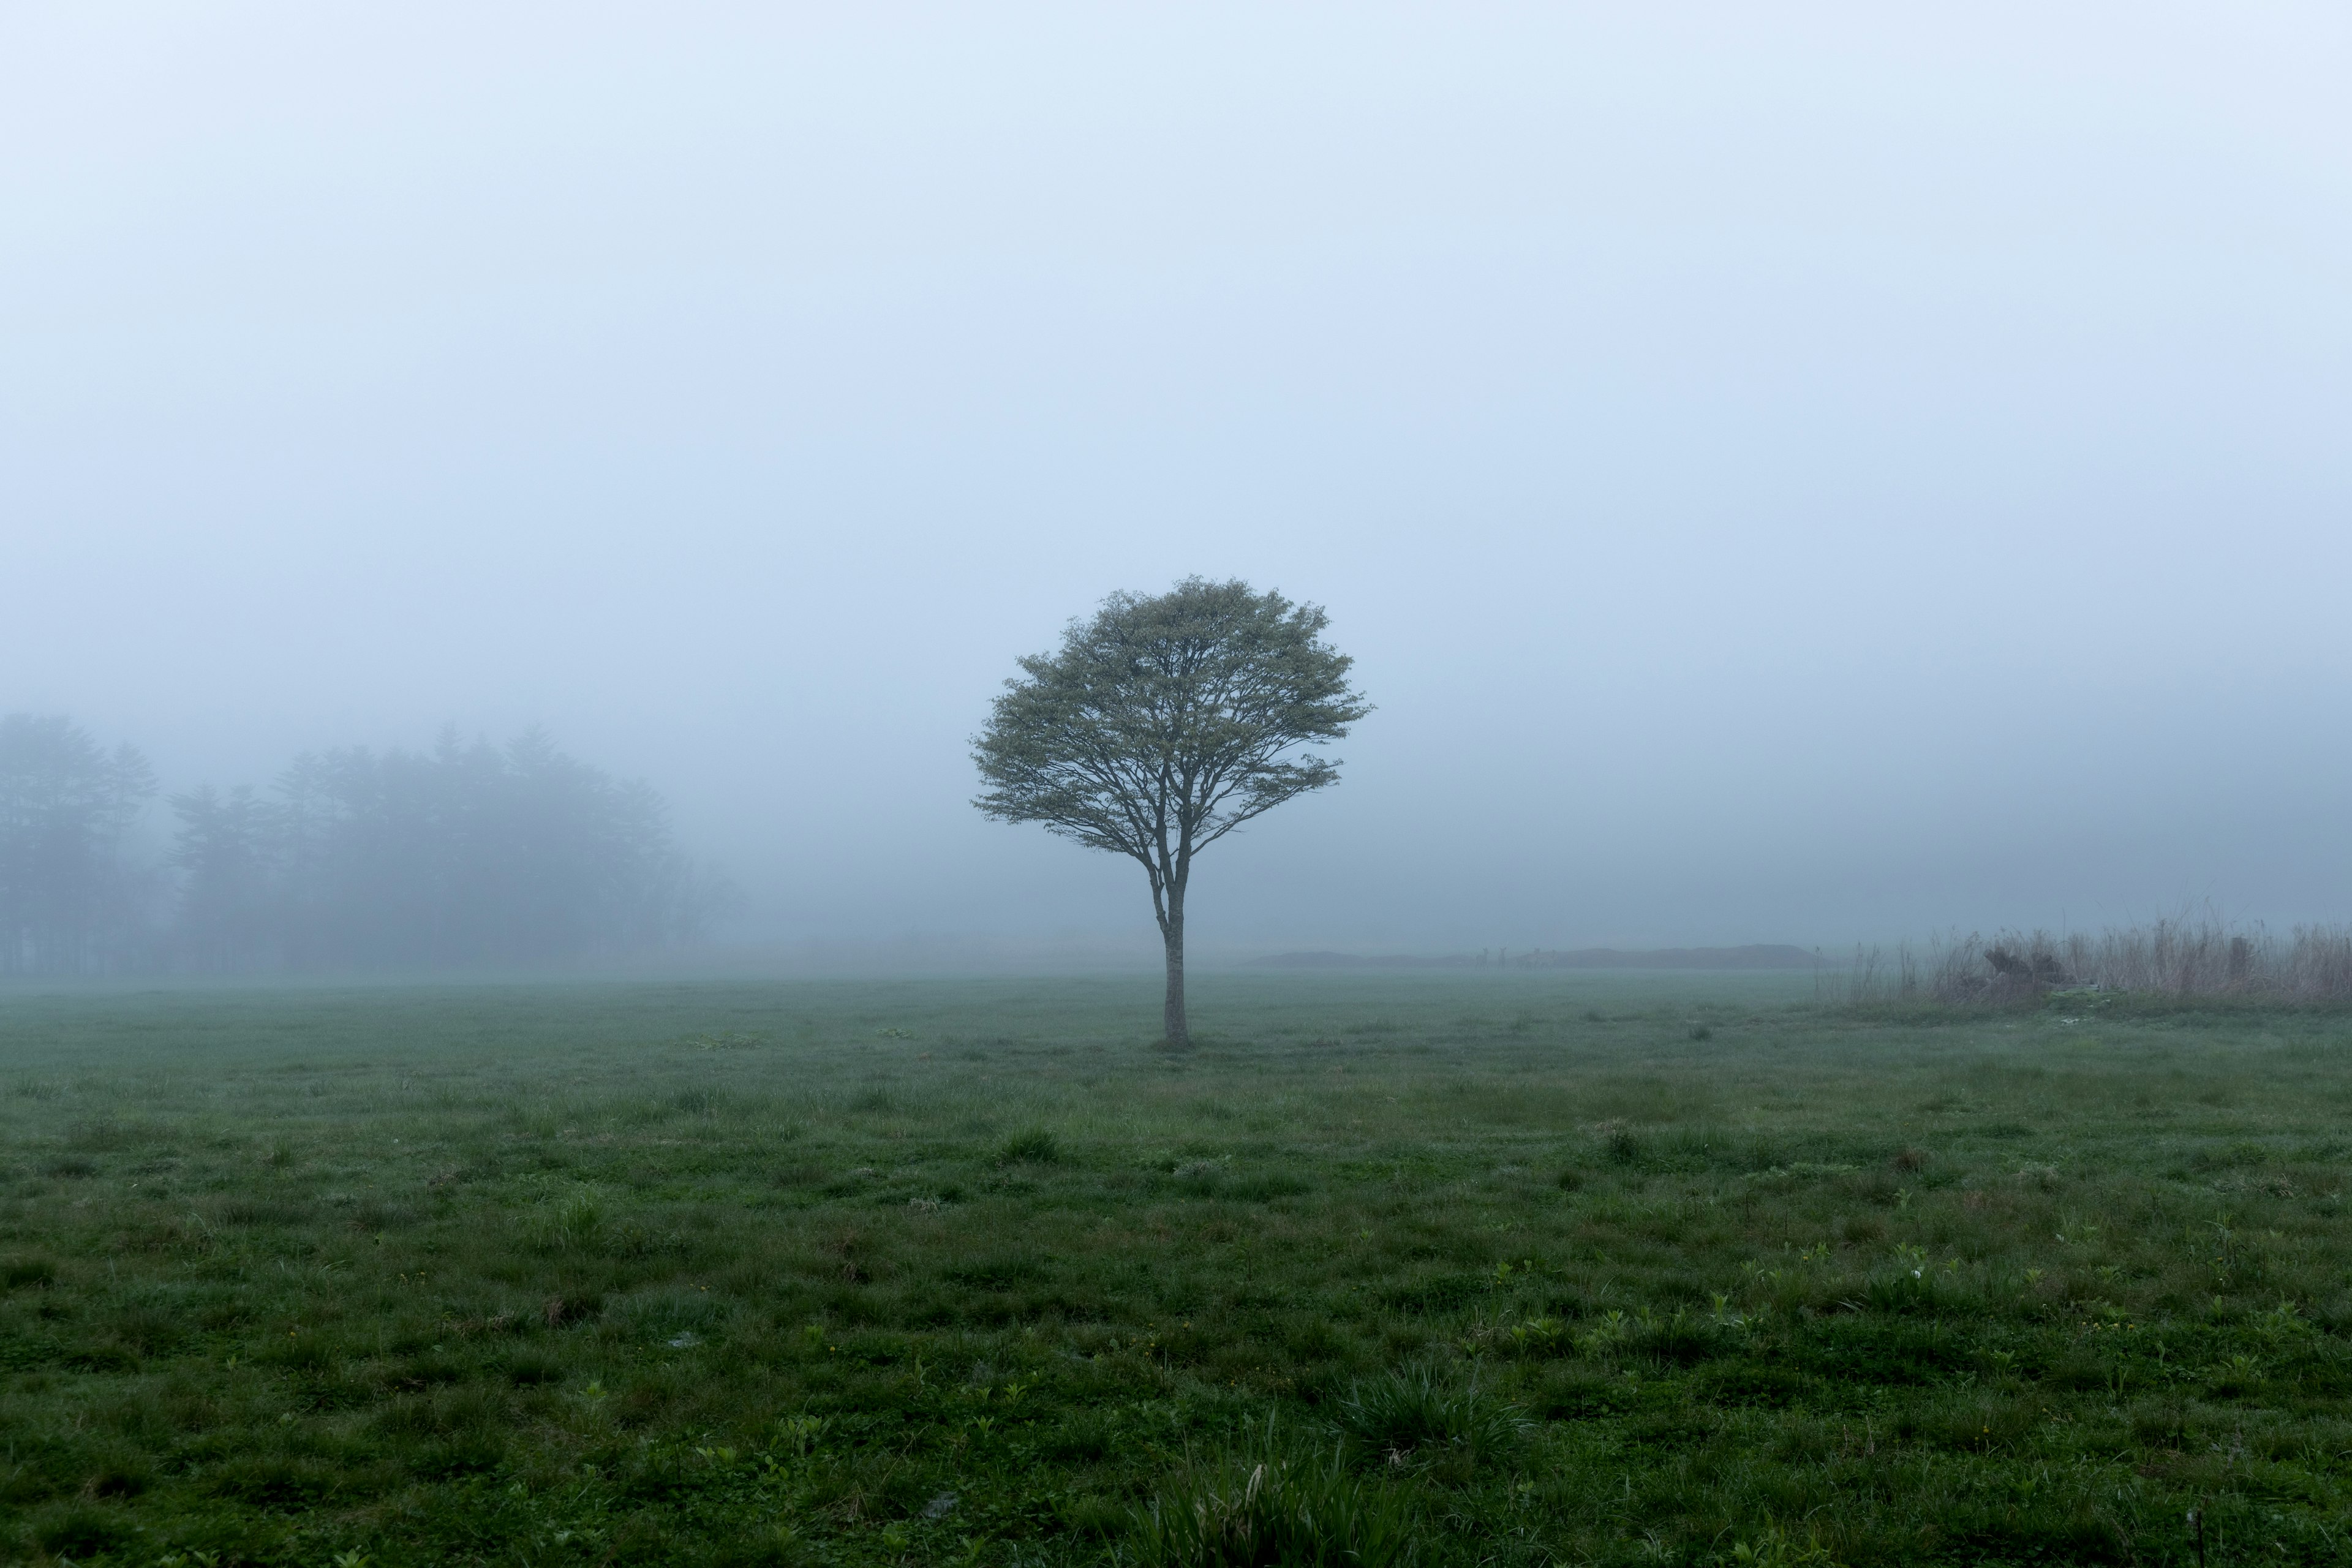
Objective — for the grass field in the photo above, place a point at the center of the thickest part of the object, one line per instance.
(1496, 1268)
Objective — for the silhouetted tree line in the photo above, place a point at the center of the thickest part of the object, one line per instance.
(70, 903)
(466, 855)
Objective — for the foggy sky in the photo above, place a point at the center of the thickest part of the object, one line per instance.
(1812, 476)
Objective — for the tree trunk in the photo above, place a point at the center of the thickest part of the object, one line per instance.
(1175, 1031)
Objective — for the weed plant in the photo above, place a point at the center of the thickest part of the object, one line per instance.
(1506, 1268)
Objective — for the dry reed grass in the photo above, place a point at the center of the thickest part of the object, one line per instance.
(2196, 956)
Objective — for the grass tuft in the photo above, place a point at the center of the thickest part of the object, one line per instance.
(1033, 1148)
(1290, 1511)
(21, 1273)
(1415, 1417)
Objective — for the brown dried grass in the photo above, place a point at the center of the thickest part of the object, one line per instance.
(2195, 955)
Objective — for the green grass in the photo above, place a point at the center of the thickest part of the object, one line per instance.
(1504, 1269)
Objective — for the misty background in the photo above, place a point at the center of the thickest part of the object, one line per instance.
(1817, 476)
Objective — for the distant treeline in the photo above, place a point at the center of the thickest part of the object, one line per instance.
(1758, 955)
(469, 855)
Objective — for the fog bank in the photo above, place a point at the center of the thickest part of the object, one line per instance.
(1800, 478)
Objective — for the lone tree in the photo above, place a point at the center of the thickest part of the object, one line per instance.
(1164, 724)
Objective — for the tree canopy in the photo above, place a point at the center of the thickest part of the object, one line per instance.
(1162, 724)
